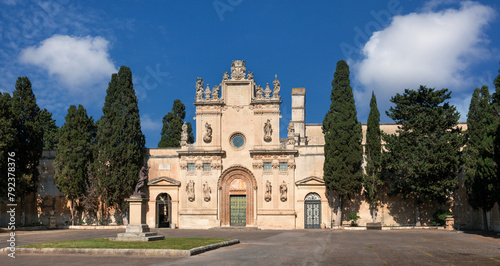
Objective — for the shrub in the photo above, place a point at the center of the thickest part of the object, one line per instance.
(353, 217)
(439, 217)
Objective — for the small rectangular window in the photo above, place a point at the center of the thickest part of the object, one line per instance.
(207, 167)
(191, 167)
(268, 166)
(283, 166)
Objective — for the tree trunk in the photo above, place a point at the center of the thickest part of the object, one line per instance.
(485, 220)
(23, 214)
(374, 214)
(417, 214)
(72, 213)
(339, 212)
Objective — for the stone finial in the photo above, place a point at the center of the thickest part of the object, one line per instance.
(225, 76)
(199, 89)
(207, 93)
(267, 92)
(250, 75)
(277, 87)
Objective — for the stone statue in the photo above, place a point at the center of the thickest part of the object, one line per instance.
(184, 135)
(267, 91)
(208, 134)
(283, 191)
(238, 69)
(207, 93)
(268, 130)
(199, 89)
(250, 75)
(269, 188)
(190, 190)
(206, 192)
(143, 177)
(277, 87)
(225, 76)
(291, 134)
(215, 93)
(259, 92)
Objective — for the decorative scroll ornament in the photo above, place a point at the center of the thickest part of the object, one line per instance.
(277, 87)
(208, 133)
(267, 92)
(206, 192)
(199, 89)
(269, 188)
(184, 135)
(268, 130)
(238, 70)
(190, 190)
(283, 191)
(143, 177)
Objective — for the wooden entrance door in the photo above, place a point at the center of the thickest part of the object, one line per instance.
(238, 210)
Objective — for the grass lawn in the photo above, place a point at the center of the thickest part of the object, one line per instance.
(167, 243)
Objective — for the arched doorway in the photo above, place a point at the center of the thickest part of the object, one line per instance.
(312, 207)
(163, 210)
(237, 186)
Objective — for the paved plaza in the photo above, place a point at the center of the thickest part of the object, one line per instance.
(290, 247)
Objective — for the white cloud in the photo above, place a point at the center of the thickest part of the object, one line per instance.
(76, 62)
(148, 124)
(433, 48)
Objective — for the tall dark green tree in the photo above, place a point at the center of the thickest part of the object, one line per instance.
(28, 143)
(373, 149)
(8, 133)
(172, 127)
(423, 157)
(496, 115)
(74, 155)
(343, 150)
(49, 130)
(120, 142)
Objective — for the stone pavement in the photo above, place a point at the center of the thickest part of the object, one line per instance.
(290, 247)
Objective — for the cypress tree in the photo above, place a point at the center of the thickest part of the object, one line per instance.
(49, 130)
(74, 154)
(120, 142)
(496, 115)
(343, 134)
(172, 127)
(423, 158)
(372, 181)
(8, 133)
(28, 143)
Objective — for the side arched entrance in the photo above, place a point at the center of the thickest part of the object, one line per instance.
(237, 188)
(312, 217)
(163, 210)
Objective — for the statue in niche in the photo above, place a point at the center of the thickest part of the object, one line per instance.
(143, 177)
(184, 134)
(268, 130)
(267, 91)
(208, 134)
(225, 76)
(277, 87)
(269, 188)
(283, 191)
(206, 192)
(291, 133)
(190, 190)
(199, 89)
(215, 92)
(259, 92)
(250, 75)
(207, 93)
(238, 69)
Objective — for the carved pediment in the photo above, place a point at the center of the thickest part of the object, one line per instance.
(164, 181)
(310, 181)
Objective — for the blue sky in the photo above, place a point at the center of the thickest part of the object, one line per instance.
(69, 49)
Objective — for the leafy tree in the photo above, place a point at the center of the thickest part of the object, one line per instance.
(49, 130)
(343, 150)
(423, 157)
(120, 142)
(28, 143)
(172, 127)
(74, 154)
(8, 133)
(495, 105)
(481, 170)
(372, 181)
